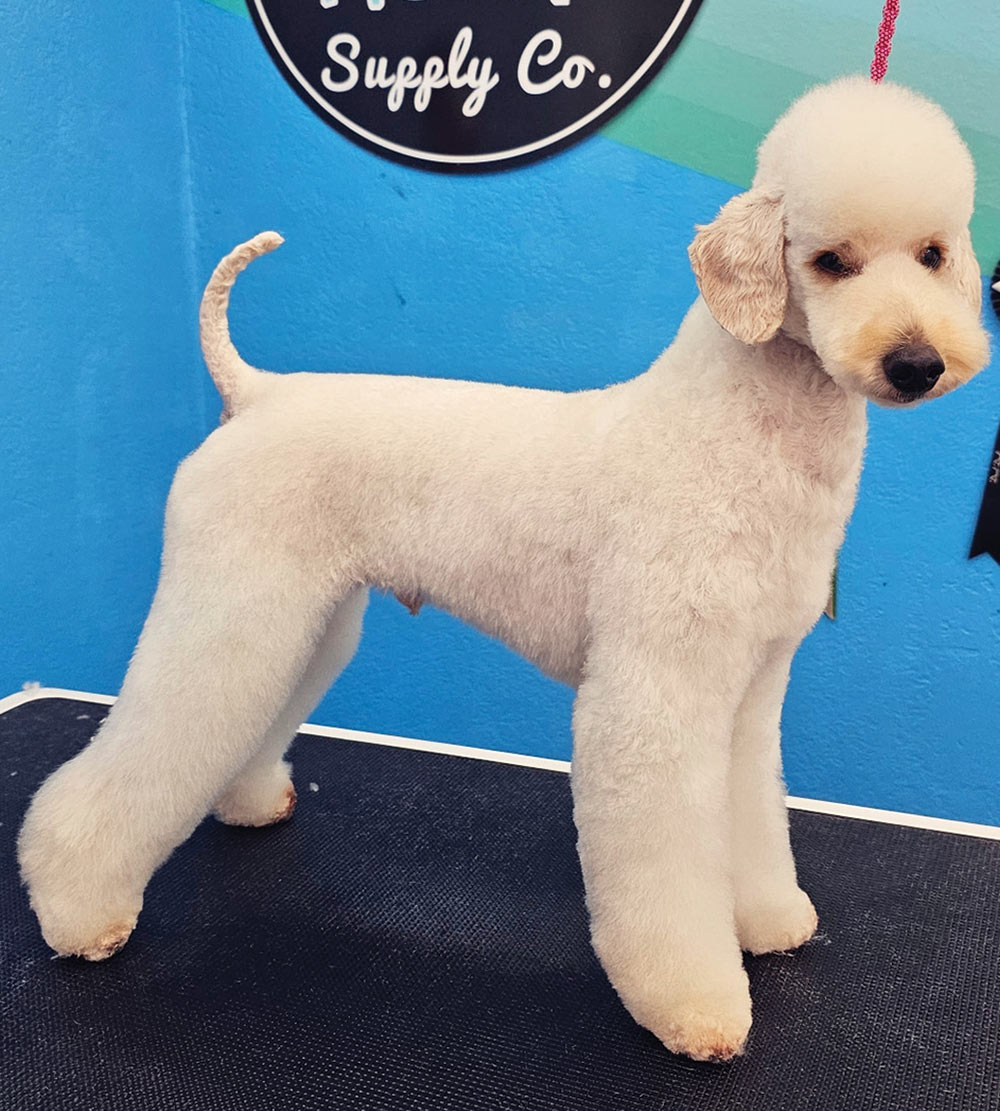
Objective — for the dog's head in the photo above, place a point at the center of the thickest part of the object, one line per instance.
(854, 240)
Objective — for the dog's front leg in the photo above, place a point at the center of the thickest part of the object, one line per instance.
(652, 737)
(772, 912)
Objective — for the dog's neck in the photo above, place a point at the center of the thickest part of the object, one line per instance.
(782, 388)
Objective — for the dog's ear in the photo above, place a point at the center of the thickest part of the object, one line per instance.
(965, 265)
(739, 261)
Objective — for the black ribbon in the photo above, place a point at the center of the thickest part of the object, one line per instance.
(987, 537)
(994, 292)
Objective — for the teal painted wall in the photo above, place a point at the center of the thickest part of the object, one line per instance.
(178, 137)
(744, 61)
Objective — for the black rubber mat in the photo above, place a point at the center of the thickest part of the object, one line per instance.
(415, 939)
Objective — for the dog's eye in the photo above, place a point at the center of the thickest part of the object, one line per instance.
(831, 263)
(931, 257)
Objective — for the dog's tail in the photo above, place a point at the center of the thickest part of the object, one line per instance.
(235, 379)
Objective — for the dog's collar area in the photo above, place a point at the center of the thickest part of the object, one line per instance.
(800, 344)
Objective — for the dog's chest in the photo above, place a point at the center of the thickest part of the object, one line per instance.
(761, 528)
(797, 550)
(802, 471)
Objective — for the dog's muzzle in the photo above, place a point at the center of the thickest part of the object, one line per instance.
(913, 369)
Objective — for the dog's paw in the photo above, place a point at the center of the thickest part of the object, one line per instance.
(697, 1002)
(79, 915)
(258, 798)
(705, 1027)
(94, 936)
(776, 923)
(84, 883)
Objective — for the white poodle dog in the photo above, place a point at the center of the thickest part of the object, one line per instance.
(662, 545)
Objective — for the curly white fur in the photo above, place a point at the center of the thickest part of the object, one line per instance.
(662, 545)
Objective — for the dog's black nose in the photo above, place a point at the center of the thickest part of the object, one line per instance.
(913, 369)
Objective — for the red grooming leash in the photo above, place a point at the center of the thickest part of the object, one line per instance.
(880, 63)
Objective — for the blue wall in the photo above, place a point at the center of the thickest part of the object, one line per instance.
(102, 392)
(567, 274)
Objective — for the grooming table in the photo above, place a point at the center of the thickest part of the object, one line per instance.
(415, 940)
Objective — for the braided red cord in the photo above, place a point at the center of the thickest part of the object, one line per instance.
(885, 31)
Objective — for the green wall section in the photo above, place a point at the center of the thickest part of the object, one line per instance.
(744, 61)
(236, 6)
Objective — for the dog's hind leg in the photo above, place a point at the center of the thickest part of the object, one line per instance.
(772, 912)
(652, 730)
(237, 617)
(262, 793)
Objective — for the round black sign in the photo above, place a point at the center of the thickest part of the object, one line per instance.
(469, 84)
